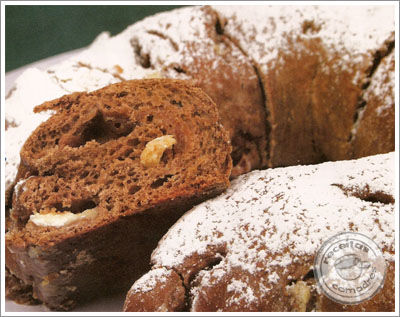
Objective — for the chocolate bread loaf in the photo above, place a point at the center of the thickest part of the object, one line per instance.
(253, 247)
(292, 85)
(104, 178)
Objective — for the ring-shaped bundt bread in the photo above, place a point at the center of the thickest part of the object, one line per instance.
(292, 85)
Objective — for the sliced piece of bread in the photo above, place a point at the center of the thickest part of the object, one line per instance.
(104, 178)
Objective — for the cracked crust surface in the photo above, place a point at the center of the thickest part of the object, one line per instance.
(250, 248)
(314, 63)
(375, 124)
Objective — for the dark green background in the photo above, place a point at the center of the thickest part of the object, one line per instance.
(36, 32)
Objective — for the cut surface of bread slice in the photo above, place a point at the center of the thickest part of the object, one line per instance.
(188, 43)
(104, 178)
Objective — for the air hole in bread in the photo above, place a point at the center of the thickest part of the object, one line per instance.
(134, 189)
(160, 181)
(177, 103)
(99, 130)
(48, 173)
(65, 128)
(131, 173)
(133, 142)
(77, 206)
(84, 174)
(122, 94)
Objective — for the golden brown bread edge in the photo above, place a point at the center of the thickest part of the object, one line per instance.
(87, 156)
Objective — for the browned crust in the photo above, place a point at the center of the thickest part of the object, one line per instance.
(217, 297)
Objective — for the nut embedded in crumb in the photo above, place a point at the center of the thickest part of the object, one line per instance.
(300, 295)
(59, 219)
(154, 150)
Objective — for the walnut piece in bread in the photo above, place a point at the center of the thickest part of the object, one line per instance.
(83, 192)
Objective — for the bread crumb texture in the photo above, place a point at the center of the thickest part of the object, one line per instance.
(117, 151)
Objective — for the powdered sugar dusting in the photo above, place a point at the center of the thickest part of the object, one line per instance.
(108, 60)
(239, 292)
(382, 86)
(182, 38)
(239, 287)
(351, 32)
(294, 208)
(161, 37)
(148, 283)
(19, 109)
(339, 26)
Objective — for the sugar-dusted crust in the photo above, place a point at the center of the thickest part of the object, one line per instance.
(375, 124)
(245, 250)
(87, 210)
(314, 63)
